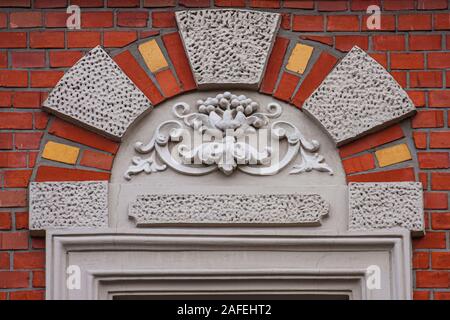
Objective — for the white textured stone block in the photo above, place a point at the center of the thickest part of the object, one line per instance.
(98, 95)
(357, 97)
(68, 204)
(227, 46)
(386, 205)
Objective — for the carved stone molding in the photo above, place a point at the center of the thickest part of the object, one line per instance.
(250, 209)
(375, 206)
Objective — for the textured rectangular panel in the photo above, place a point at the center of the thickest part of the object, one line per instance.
(392, 155)
(152, 55)
(60, 152)
(98, 95)
(68, 204)
(227, 46)
(376, 206)
(298, 61)
(228, 209)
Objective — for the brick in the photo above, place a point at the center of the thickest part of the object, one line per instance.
(153, 56)
(229, 3)
(74, 133)
(83, 39)
(177, 55)
(45, 79)
(14, 279)
(421, 295)
(421, 260)
(343, 23)
(148, 34)
(6, 140)
(400, 77)
(26, 99)
(21, 220)
(32, 156)
(439, 98)
(328, 40)
(299, 58)
(420, 140)
(97, 160)
(27, 140)
(432, 240)
(444, 295)
(414, 22)
(15, 3)
(389, 42)
(6, 98)
(123, 3)
(16, 120)
(273, 4)
(60, 59)
(298, 4)
(3, 59)
(38, 243)
(195, 3)
(425, 79)
(134, 71)
(417, 97)
(407, 61)
(347, 42)
(13, 159)
(163, 19)
(274, 65)
(423, 178)
(393, 155)
(440, 221)
(286, 21)
(438, 60)
(168, 83)
(319, 71)
(433, 160)
(60, 152)
(40, 120)
(428, 119)
(159, 3)
(38, 279)
(50, 4)
(56, 19)
(3, 20)
(435, 200)
(29, 260)
(25, 19)
(398, 4)
(432, 4)
(441, 21)
(4, 260)
(440, 180)
(358, 164)
(332, 5)
(396, 175)
(440, 260)
(28, 59)
(47, 39)
(97, 19)
(432, 279)
(13, 78)
(286, 87)
(48, 173)
(307, 23)
(440, 139)
(5, 224)
(13, 40)
(14, 240)
(387, 23)
(27, 295)
(118, 39)
(132, 19)
(425, 42)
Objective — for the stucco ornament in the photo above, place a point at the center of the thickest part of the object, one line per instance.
(227, 133)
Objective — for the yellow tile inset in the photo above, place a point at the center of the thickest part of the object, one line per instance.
(153, 57)
(393, 155)
(299, 58)
(60, 152)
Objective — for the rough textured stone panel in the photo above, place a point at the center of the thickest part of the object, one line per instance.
(96, 93)
(227, 46)
(357, 97)
(228, 209)
(68, 204)
(386, 205)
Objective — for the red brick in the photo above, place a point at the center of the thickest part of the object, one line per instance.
(397, 175)
(13, 78)
(398, 4)
(286, 21)
(440, 260)
(414, 22)
(15, 3)
(74, 133)
(27, 295)
(48, 173)
(425, 42)
(440, 221)
(343, 23)
(45, 79)
(3, 19)
(4, 260)
(134, 71)
(87, 3)
(196, 3)
(21, 220)
(14, 279)
(400, 77)
(25, 19)
(56, 19)
(123, 3)
(168, 83)
(132, 19)
(432, 240)
(118, 39)
(440, 139)
(229, 3)
(159, 3)
(442, 21)
(50, 3)
(439, 98)
(97, 160)
(28, 140)
(447, 78)
(14, 240)
(440, 180)
(3, 59)
(387, 23)
(60, 59)
(421, 260)
(16, 120)
(432, 279)
(328, 40)
(381, 58)
(274, 65)
(361, 5)
(47, 39)
(428, 119)
(177, 55)
(332, 5)
(28, 59)
(13, 159)
(432, 4)
(38, 279)
(38, 243)
(438, 60)
(40, 120)
(389, 42)
(27, 99)
(360, 163)
(286, 87)
(347, 42)
(433, 160)
(421, 295)
(29, 260)
(97, 19)
(444, 295)
(319, 71)
(6, 140)
(435, 200)
(6, 98)
(5, 224)
(407, 61)
(307, 23)
(163, 19)
(274, 4)
(83, 39)
(32, 156)
(13, 40)
(417, 97)
(148, 33)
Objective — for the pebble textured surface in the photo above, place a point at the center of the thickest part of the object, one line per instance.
(386, 205)
(97, 94)
(227, 47)
(68, 204)
(358, 96)
(228, 208)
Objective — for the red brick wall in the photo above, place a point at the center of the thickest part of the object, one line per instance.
(36, 48)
